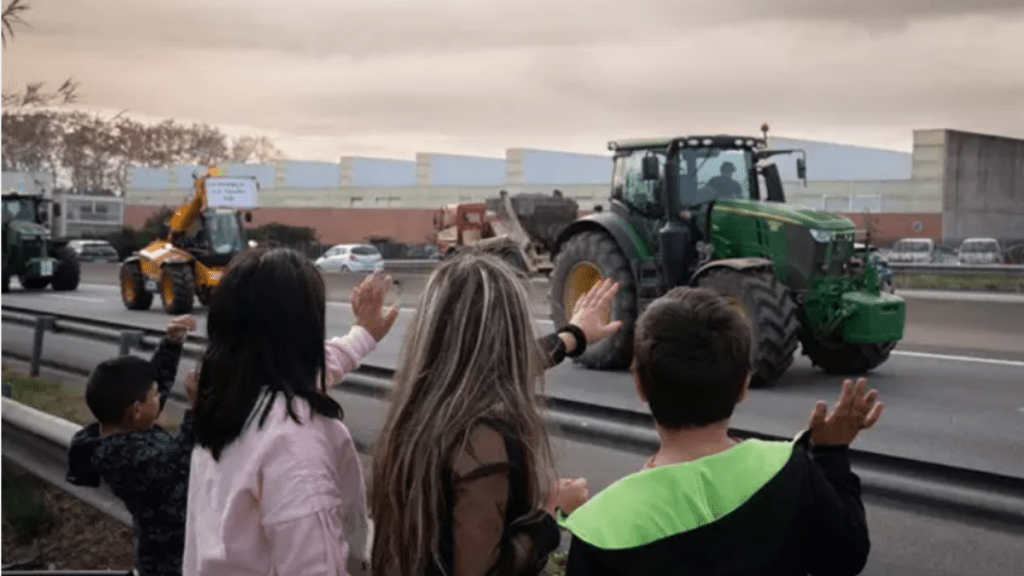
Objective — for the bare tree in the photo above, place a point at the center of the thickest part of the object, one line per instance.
(258, 149)
(11, 16)
(33, 95)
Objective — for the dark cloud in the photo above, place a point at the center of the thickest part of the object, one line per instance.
(487, 75)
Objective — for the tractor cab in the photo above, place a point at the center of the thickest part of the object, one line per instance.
(659, 178)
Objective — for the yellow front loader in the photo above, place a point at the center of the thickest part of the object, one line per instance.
(187, 264)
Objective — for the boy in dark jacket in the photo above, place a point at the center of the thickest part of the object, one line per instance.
(706, 503)
(144, 465)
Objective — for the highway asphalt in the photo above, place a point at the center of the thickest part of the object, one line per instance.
(953, 405)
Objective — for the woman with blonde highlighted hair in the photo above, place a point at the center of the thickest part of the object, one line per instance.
(461, 478)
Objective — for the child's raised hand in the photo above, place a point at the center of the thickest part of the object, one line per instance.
(179, 327)
(368, 306)
(853, 412)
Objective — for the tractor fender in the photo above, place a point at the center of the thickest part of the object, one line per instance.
(612, 224)
(738, 264)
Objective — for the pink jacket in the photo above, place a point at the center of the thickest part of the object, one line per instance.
(285, 498)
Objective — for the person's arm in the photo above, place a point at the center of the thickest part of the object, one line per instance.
(344, 354)
(478, 514)
(556, 347)
(165, 360)
(839, 542)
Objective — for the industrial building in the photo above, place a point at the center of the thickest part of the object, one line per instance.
(952, 185)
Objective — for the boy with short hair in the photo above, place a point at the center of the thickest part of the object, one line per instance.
(706, 503)
(144, 465)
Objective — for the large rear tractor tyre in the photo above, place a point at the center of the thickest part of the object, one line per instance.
(841, 358)
(584, 260)
(766, 302)
(133, 287)
(68, 272)
(177, 289)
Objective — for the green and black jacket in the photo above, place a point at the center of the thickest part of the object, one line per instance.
(762, 507)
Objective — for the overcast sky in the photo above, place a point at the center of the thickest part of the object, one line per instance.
(392, 77)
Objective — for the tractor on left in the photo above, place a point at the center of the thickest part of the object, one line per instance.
(29, 250)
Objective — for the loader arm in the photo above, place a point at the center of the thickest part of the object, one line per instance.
(183, 219)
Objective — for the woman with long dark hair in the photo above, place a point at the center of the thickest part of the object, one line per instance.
(276, 485)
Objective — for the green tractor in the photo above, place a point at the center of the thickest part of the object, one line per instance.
(710, 211)
(28, 251)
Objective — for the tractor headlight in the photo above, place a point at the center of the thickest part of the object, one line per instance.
(821, 235)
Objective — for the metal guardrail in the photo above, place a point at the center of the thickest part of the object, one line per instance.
(1002, 270)
(972, 493)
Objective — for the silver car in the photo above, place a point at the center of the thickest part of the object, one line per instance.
(351, 258)
(980, 251)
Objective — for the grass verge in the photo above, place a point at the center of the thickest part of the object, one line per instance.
(61, 399)
(974, 282)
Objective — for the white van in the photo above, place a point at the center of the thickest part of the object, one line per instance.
(920, 250)
(980, 251)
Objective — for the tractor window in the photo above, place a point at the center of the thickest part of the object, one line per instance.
(714, 174)
(20, 209)
(628, 182)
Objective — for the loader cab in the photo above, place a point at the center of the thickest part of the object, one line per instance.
(216, 236)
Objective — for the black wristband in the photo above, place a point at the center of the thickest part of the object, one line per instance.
(581, 340)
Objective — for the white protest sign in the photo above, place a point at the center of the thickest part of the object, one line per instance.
(234, 192)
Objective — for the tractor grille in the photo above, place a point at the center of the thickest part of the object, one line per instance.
(33, 248)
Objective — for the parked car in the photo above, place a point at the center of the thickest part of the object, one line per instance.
(351, 258)
(980, 251)
(918, 250)
(94, 251)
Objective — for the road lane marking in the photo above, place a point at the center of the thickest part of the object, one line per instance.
(103, 286)
(85, 298)
(998, 361)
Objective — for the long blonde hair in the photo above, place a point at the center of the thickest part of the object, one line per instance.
(469, 354)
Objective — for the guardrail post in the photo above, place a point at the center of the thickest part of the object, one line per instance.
(130, 339)
(43, 323)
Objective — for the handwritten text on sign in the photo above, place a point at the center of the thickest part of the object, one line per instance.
(236, 192)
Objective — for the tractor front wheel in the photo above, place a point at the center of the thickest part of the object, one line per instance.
(585, 259)
(133, 287)
(68, 272)
(177, 289)
(34, 283)
(766, 302)
(841, 358)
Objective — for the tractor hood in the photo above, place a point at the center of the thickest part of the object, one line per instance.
(787, 213)
(28, 229)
